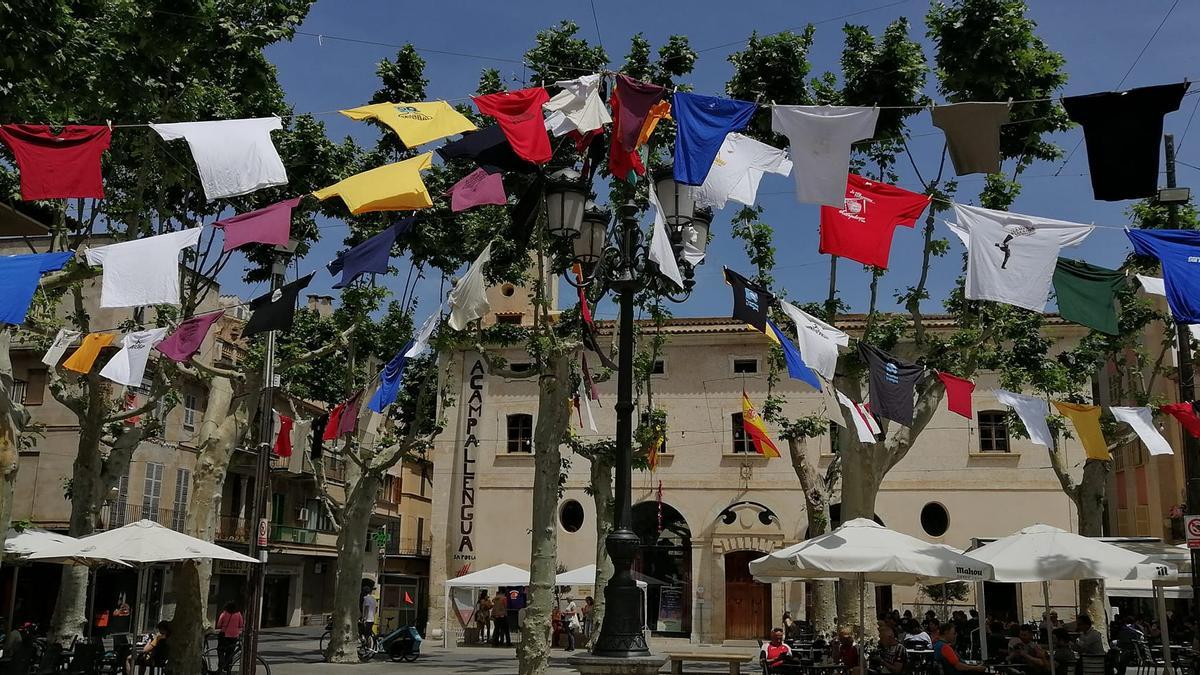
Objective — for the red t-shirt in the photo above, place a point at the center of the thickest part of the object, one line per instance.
(58, 166)
(520, 116)
(775, 653)
(862, 229)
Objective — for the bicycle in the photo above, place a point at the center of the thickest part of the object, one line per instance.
(210, 662)
(368, 645)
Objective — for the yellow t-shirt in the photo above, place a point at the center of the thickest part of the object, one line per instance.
(392, 187)
(415, 123)
(1086, 419)
(84, 357)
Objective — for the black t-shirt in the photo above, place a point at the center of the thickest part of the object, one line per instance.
(750, 302)
(489, 148)
(277, 309)
(1123, 131)
(893, 383)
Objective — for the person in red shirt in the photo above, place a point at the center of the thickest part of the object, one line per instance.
(777, 654)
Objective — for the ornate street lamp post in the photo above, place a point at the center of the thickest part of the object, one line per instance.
(617, 259)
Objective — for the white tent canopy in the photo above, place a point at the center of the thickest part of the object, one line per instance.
(32, 540)
(139, 543)
(497, 575)
(863, 549)
(585, 576)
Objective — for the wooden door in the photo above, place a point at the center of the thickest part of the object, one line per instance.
(747, 602)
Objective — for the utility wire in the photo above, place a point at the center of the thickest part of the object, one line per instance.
(814, 23)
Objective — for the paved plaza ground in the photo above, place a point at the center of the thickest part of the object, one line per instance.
(293, 651)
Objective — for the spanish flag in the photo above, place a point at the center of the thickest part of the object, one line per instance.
(755, 429)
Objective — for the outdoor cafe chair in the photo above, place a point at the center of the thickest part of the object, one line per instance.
(50, 659)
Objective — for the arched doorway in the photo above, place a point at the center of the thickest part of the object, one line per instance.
(664, 563)
(747, 602)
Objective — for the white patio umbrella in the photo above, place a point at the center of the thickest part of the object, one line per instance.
(1044, 553)
(139, 543)
(866, 551)
(31, 540)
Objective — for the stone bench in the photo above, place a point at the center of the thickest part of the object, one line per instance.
(733, 659)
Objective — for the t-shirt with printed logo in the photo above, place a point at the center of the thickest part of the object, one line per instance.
(1179, 253)
(519, 114)
(415, 123)
(862, 228)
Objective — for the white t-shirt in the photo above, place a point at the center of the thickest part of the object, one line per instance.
(368, 608)
(1010, 256)
(660, 252)
(817, 341)
(1142, 421)
(737, 170)
(865, 424)
(421, 341)
(233, 157)
(468, 299)
(578, 107)
(143, 271)
(59, 347)
(820, 137)
(129, 364)
(1032, 411)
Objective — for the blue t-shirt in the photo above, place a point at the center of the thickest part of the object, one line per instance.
(703, 122)
(369, 256)
(19, 277)
(1179, 253)
(389, 381)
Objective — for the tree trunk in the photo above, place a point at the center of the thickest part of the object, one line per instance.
(602, 497)
(351, 547)
(861, 476)
(221, 431)
(13, 418)
(823, 616)
(70, 609)
(1090, 507)
(533, 654)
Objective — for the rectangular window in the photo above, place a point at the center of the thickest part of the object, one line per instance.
(183, 486)
(745, 366)
(35, 387)
(190, 404)
(835, 436)
(741, 440)
(318, 518)
(152, 491)
(993, 431)
(1122, 499)
(119, 510)
(278, 501)
(659, 367)
(1141, 488)
(420, 532)
(520, 433)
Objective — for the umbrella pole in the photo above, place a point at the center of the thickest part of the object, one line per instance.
(91, 610)
(1160, 605)
(981, 597)
(862, 614)
(1046, 623)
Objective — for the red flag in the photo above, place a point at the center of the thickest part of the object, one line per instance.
(335, 420)
(283, 442)
(958, 394)
(408, 598)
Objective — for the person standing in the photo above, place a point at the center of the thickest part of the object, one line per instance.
(1089, 642)
(229, 630)
(369, 609)
(500, 620)
(483, 617)
(589, 608)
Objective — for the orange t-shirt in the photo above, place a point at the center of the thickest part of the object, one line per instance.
(84, 357)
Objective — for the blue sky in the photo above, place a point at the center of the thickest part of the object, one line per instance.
(1099, 38)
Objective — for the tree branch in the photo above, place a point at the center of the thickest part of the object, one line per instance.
(235, 375)
(1059, 463)
(502, 371)
(342, 340)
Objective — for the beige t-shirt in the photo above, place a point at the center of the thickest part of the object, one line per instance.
(973, 134)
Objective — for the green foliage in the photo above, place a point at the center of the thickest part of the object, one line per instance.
(559, 55)
(772, 68)
(954, 591)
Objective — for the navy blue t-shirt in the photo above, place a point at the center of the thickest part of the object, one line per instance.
(1179, 253)
(703, 122)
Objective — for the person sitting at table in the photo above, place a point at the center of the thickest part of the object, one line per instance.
(777, 654)
(946, 657)
(913, 636)
(891, 656)
(997, 642)
(845, 651)
(1089, 642)
(155, 653)
(1064, 654)
(1028, 653)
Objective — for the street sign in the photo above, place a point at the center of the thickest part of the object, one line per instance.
(1191, 524)
(263, 527)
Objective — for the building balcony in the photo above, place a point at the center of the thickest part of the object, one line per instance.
(233, 529)
(118, 514)
(409, 548)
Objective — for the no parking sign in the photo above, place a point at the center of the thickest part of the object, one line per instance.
(1191, 525)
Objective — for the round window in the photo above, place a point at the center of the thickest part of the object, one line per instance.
(507, 290)
(934, 519)
(570, 515)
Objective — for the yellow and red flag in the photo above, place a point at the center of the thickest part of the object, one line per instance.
(756, 430)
